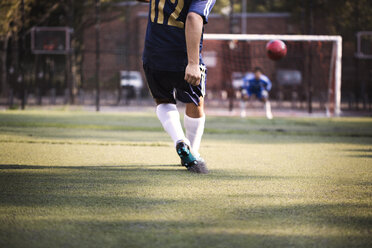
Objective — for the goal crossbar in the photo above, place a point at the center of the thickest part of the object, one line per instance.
(336, 39)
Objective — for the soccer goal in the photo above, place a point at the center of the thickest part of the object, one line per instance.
(364, 45)
(309, 74)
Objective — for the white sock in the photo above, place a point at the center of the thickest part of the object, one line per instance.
(170, 119)
(269, 115)
(242, 109)
(194, 132)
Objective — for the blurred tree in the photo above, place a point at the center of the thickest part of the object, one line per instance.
(7, 27)
(77, 15)
(36, 11)
(222, 7)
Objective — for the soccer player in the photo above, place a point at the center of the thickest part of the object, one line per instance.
(258, 85)
(174, 71)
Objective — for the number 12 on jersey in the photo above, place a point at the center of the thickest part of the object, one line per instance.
(172, 19)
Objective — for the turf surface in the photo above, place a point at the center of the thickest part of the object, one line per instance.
(81, 179)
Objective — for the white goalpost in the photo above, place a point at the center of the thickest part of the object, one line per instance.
(335, 66)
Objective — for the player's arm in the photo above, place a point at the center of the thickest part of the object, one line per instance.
(268, 84)
(193, 32)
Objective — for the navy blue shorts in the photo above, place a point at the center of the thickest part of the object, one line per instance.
(171, 85)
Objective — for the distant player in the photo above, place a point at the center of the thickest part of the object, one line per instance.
(175, 71)
(257, 85)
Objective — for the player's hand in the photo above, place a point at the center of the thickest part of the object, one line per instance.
(193, 74)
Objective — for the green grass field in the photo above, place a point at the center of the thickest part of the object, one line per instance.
(84, 179)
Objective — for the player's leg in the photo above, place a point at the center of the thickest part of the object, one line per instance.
(269, 114)
(193, 97)
(246, 95)
(267, 105)
(166, 109)
(243, 106)
(170, 119)
(194, 121)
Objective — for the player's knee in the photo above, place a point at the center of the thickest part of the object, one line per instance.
(264, 95)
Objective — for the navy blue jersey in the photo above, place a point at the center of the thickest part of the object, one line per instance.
(165, 44)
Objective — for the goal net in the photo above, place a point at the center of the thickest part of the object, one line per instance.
(308, 76)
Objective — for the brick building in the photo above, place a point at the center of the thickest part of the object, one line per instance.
(122, 41)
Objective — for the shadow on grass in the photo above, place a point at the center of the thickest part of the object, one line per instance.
(181, 234)
(105, 203)
(361, 156)
(366, 150)
(105, 167)
(146, 170)
(167, 233)
(33, 185)
(362, 153)
(327, 214)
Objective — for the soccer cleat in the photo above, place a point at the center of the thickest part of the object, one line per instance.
(183, 150)
(200, 167)
(192, 164)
